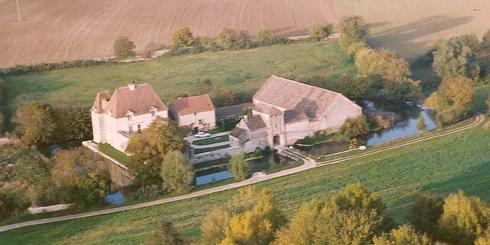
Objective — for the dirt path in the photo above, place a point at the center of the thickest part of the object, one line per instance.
(308, 165)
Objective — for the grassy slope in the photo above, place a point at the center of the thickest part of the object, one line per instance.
(440, 165)
(242, 71)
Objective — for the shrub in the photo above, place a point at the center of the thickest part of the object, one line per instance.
(319, 32)
(455, 57)
(354, 128)
(123, 48)
(176, 173)
(182, 37)
(238, 167)
(353, 29)
(232, 39)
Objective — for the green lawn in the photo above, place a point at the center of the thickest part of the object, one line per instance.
(211, 140)
(243, 71)
(199, 151)
(441, 165)
(112, 152)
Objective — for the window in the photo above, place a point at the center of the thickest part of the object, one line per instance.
(152, 113)
(130, 129)
(129, 117)
(201, 121)
(139, 128)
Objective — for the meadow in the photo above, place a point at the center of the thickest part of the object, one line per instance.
(242, 71)
(440, 165)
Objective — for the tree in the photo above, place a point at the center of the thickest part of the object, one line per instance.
(35, 123)
(319, 32)
(148, 150)
(404, 235)
(232, 39)
(83, 180)
(424, 213)
(384, 63)
(12, 202)
(213, 226)
(354, 30)
(452, 100)
(351, 216)
(182, 37)
(264, 38)
(255, 222)
(73, 123)
(463, 219)
(238, 167)
(302, 226)
(176, 173)
(483, 239)
(164, 234)
(354, 128)
(123, 48)
(456, 57)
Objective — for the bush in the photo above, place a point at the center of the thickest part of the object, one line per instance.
(123, 48)
(232, 39)
(12, 203)
(319, 32)
(182, 37)
(238, 167)
(354, 128)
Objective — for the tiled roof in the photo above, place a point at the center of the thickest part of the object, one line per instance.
(193, 104)
(232, 110)
(291, 95)
(255, 122)
(139, 100)
(100, 101)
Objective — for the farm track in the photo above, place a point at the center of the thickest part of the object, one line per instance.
(309, 164)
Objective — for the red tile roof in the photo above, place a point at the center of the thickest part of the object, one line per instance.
(193, 104)
(139, 100)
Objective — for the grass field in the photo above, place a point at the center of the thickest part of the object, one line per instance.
(243, 71)
(212, 140)
(112, 152)
(440, 165)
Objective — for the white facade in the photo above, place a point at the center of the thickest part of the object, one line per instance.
(201, 120)
(117, 131)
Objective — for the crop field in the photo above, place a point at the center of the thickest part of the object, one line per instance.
(242, 71)
(440, 165)
(56, 30)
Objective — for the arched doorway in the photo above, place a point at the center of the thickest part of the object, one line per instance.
(276, 140)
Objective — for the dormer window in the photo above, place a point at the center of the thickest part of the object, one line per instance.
(129, 115)
(153, 111)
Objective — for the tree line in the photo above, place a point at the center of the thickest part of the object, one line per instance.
(351, 215)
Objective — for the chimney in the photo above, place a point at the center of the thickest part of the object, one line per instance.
(132, 86)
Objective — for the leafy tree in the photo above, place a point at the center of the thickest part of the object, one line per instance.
(35, 123)
(84, 180)
(421, 123)
(384, 63)
(12, 202)
(123, 48)
(302, 226)
(453, 99)
(404, 235)
(456, 57)
(225, 96)
(254, 222)
(182, 37)
(214, 226)
(238, 167)
(176, 173)
(319, 32)
(232, 39)
(354, 30)
(354, 128)
(148, 150)
(164, 234)
(463, 219)
(73, 123)
(424, 213)
(265, 38)
(483, 239)
(350, 216)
